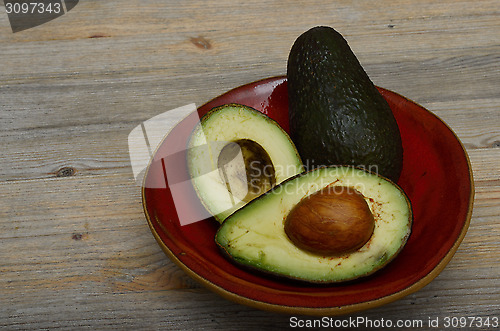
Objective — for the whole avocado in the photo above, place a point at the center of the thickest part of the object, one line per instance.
(337, 115)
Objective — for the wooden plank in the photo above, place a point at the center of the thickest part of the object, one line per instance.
(76, 251)
(108, 248)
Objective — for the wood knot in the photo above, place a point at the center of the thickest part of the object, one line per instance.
(201, 42)
(496, 144)
(66, 172)
(98, 36)
(77, 236)
(80, 236)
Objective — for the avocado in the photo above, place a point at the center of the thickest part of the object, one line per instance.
(256, 236)
(337, 116)
(235, 154)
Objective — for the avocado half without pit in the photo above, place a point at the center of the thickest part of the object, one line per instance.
(328, 225)
(235, 154)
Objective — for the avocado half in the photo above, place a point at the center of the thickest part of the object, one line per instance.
(254, 236)
(235, 154)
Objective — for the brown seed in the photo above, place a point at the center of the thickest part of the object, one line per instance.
(333, 221)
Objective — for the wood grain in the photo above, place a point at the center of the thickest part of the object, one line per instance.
(76, 251)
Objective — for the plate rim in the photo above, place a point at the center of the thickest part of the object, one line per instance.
(317, 311)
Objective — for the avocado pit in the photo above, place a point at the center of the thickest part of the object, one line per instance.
(335, 220)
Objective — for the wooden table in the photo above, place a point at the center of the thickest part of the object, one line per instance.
(75, 248)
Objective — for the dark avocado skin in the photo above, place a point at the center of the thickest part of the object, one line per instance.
(337, 116)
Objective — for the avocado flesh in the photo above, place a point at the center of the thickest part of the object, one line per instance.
(254, 236)
(235, 154)
(337, 116)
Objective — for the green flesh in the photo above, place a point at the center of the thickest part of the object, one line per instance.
(254, 236)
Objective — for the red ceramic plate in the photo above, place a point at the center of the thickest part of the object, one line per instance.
(436, 177)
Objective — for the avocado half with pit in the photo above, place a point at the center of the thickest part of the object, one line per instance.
(328, 225)
(235, 154)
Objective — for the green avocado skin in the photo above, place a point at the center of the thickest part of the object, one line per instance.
(337, 116)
